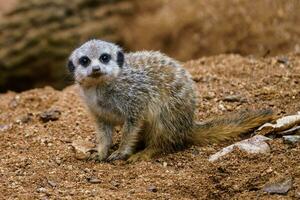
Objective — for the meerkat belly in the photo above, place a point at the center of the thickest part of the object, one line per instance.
(108, 116)
(99, 107)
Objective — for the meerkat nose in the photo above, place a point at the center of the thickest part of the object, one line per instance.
(95, 68)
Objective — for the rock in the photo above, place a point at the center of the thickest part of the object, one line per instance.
(292, 131)
(269, 170)
(5, 127)
(152, 188)
(115, 184)
(94, 180)
(195, 152)
(255, 144)
(279, 187)
(132, 191)
(165, 164)
(282, 124)
(50, 115)
(209, 95)
(291, 139)
(58, 161)
(234, 98)
(283, 60)
(82, 149)
(222, 107)
(41, 190)
(25, 118)
(13, 103)
(51, 183)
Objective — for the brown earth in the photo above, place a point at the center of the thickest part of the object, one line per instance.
(37, 160)
(37, 36)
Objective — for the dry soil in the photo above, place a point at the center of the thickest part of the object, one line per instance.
(38, 162)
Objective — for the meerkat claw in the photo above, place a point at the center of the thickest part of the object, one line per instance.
(95, 155)
(92, 150)
(117, 155)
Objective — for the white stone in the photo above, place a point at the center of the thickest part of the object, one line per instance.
(82, 149)
(282, 124)
(255, 144)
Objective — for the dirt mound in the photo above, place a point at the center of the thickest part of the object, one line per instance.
(36, 36)
(37, 160)
(188, 29)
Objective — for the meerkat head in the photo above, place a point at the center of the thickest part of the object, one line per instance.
(96, 60)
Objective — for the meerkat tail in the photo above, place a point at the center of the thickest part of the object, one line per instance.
(228, 127)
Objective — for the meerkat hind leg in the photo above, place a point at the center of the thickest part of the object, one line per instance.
(145, 155)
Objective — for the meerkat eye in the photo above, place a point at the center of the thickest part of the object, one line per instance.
(105, 58)
(84, 61)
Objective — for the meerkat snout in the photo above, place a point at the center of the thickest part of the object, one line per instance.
(95, 69)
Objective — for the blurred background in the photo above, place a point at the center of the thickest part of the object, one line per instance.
(37, 36)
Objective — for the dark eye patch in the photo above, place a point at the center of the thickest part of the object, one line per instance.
(120, 58)
(105, 58)
(84, 61)
(71, 66)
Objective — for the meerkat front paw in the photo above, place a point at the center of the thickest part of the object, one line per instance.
(98, 154)
(118, 155)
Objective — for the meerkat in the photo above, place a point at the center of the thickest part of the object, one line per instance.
(152, 97)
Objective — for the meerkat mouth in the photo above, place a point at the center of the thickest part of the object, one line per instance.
(96, 75)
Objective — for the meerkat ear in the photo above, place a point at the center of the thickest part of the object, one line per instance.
(71, 66)
(120, 58)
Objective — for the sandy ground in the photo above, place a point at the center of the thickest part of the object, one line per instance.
(38, 162)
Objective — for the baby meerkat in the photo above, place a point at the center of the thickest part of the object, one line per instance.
(152, 97)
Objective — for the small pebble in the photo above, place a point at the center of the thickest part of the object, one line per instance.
(82, 149)
(269, 170)
(93, 180)
(42, 190)
(132, 191)
(291, 139)
(234, 98)
(222, 107)
(58, 161)
(50, 115)
(280, 187)
(152, 189)
(283, 60)
(165, 164)
(13, 103)
(25, 118)
(51, 183)
(195, 152)
(115, 184)
(4, 127)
